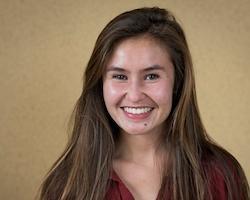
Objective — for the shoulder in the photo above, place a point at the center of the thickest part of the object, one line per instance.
(214, 179)
(223, 175)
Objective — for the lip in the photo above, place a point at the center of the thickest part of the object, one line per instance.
(137, 107)
(137, 117)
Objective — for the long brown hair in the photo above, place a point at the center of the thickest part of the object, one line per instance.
(83, 170)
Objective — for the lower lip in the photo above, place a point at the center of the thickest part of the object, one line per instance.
(137, 116)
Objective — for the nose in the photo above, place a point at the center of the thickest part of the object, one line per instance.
(135, 92)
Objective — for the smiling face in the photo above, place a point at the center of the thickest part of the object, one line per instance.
(138, 85)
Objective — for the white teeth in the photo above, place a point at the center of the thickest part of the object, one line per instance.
(137, 110)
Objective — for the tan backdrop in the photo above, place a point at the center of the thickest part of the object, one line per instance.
(44, 46)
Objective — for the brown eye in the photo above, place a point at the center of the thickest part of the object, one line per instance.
(151, 76)
(119, 77)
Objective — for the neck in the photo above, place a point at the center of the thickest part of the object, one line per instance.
(138, 148)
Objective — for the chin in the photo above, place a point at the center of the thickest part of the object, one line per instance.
(135, 131)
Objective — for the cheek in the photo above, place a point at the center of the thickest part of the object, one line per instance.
(112, 92)
(162, 93)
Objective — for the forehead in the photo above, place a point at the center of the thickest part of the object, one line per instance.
(139, 52)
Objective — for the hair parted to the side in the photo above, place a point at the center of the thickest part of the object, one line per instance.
(82, 172)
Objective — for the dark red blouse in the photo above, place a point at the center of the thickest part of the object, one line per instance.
(119, 191)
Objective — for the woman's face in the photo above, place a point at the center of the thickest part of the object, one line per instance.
(138, 85)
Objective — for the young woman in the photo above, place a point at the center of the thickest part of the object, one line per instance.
(137, 129)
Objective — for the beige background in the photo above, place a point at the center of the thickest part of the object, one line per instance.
(44, 46)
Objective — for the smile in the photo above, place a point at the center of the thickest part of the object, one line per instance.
(137, 111)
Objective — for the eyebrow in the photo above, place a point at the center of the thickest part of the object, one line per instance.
(150, 68)
(154, 67)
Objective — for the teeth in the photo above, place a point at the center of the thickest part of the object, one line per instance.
(137, 110)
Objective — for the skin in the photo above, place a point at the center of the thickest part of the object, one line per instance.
(139, 74)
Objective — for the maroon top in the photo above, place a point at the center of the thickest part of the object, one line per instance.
(119, 191)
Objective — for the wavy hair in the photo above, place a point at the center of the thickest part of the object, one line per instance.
(82, 172)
